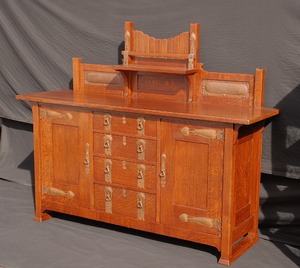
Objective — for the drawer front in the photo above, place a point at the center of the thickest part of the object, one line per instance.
(125, 123)
(126, 173)
(118, 201)
(125, 147)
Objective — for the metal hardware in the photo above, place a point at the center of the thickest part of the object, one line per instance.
(141, 145)
(124, 194)
(141, 125)
(108, 199)
(191, 55)
(86, 161)
(140, 206)
(107, 170)
(107, 141)
(54, 191)
(127, 47)
(203, 221)
(124, 140)
(124, 164)
(107, 121)
(207, 133)
(124, 120)
(141, 175)
(55, 115)
(162, 173)
(221, 135)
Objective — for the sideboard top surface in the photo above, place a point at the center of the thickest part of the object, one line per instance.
(234, 114)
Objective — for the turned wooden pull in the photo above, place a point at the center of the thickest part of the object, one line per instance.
(204, 221)
(55, 191)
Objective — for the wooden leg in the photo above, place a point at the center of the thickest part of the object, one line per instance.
(238, 249)
(39, 217)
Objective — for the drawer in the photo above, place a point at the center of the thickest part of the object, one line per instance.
(131, 174)
(125, 123)
(125, 147)
(120, 201)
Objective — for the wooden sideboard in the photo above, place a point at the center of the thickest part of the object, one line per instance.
(155, 144)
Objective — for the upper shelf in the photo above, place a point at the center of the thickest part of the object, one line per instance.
(155, 69)
(172, 56)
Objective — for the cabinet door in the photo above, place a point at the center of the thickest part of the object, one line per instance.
(191, 175)
(65, 156)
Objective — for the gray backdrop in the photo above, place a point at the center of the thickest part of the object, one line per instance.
(38, 39)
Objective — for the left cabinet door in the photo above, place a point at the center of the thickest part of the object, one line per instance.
(65, 157)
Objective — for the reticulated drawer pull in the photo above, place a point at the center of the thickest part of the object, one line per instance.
(55, 191)
(108, 199)
(55, 115)
(141, 175)
(204, 221)
(107, 170)
(107, 121)
(141, 125)
(140, 206)
(141, 145)
(162, 173)
(107, 141)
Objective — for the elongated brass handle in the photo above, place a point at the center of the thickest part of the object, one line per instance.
(162, 173)
(204, 221)
(207, 133)
(55, 115)
(55, 191)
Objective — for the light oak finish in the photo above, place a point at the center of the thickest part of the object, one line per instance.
(156, 144)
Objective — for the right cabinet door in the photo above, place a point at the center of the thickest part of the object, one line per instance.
(191, 175)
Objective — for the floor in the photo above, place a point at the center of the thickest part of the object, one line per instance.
(65, 241)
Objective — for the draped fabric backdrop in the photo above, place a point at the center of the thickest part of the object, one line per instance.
(38, 39)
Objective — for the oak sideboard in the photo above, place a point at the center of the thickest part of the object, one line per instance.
(156, 144)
